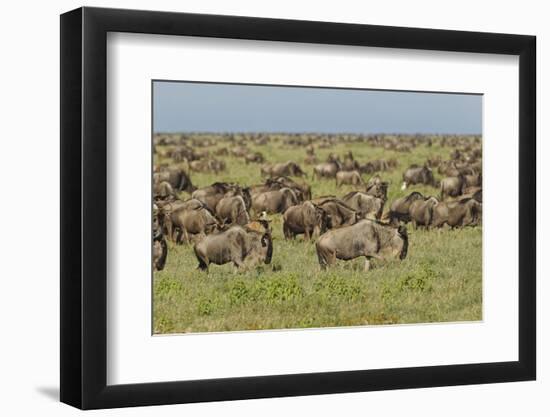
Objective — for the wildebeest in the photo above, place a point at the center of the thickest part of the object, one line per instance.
(163, 191)
(177, 177)
(366, 238)
(348, 177)
(207, 165)
(196, 222)
(307, 219)
(232, 209)
(282, 169)
(465, 212)
(418, 175)
(339, 212)
(212, 194)
(377, 189)
(399, 209)
(367, 206)
(254, 157)
(244, 248)
(160, 248)
(327, 169)
(421, 212)
(276, 201)
(452, 186)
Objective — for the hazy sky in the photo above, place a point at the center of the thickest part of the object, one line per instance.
(204, 107)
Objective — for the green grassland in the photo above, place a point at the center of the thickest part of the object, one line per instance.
(439, 281)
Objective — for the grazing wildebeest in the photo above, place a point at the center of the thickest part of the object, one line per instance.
(307, 219)
(163, 191)
(327, 169)
(452, 186)
(311, 159)
(282, 169)
(254, 157)
(366, 238)
(302, 190)
(350, 164)
(212, 194)
(192, 221)
(421, 212)
(348, 177)
(418, 175)
(399, 209)
(276, 201)
(177, 177)
(167, 208)
(465, 212)
(379, 190)
(232, 209)
(367, 206)
(244, 248)
(339, 212)
(207, 165)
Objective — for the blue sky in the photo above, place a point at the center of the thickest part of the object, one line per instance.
(210, 107)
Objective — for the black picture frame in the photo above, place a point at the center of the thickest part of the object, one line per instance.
(84, 207)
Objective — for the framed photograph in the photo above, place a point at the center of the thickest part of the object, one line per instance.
(259, 208)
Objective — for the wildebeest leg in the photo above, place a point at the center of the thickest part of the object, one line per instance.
(367, 264)
(185, 235)
(404, 186)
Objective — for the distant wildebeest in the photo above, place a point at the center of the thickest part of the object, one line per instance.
(339, 212)
(421, 212)
(244, 248)
(311, 159)
(366, 238)
(232, 209)
(418, 175)
(327, 169)
(301, 189)
(452, 186)
(366, 205)
(207, 165)
(212, 194)
(254, 157)
(376, 165)
(282, 169)
(176, 177)
(307, 219)
(350, 164)
(276, 201)
(399, 209)
(465, 212)
(348, 177)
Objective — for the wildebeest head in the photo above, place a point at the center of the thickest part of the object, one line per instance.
(427, 175)
(322, 218)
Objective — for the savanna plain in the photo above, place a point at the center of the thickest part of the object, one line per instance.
(440, 280)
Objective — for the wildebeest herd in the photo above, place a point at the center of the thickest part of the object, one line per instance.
(268, 230)
(230, 222)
